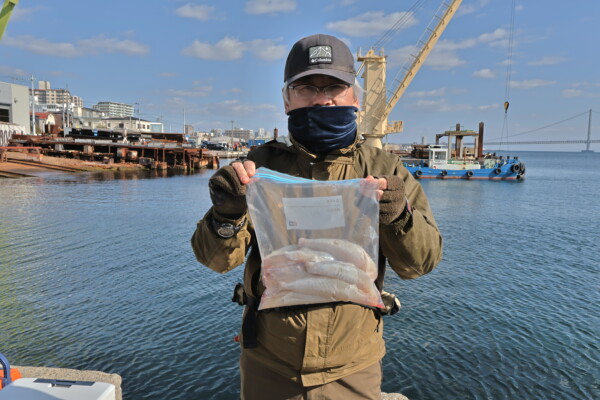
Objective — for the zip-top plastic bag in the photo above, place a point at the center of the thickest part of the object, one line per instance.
(318, 240)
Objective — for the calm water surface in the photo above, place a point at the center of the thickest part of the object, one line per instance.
(96, 272)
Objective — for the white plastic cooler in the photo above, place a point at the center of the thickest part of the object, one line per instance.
(55, 389)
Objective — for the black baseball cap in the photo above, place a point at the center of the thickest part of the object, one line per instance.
(320, 54)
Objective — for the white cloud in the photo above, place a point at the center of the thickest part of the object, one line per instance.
(550, 60)
(572, 93)
(530, 84)
(444, 55)
(42, 46)
(499, 37)
(484, 73)
(372, 23)
(13, 72)
(347, 2)
(437, 59)
(506, 62)
(578, 93)
(235, 107)
(270, 6)
(232, 90)
(200, 91)
(471, 8)
(428, 93)
(585, 84)
(451, 45)
(267, 50)
(441, 105)
(488, 107)
(85, 47)
(443, 60)
(226, 49)
(197, 11)
(101, 44)
(21, 13)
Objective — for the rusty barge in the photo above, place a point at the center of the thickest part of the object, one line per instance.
(152, 150)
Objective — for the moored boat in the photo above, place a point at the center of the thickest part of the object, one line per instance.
(436, 161)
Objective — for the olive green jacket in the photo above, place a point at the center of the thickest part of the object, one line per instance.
(321, 344)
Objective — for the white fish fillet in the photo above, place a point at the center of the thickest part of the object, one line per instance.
(319, 271)
(332, 290)
(294, 254)
(340, 270)
(283, 273)
(343, 250)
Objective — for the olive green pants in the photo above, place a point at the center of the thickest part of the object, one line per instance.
(260, 383)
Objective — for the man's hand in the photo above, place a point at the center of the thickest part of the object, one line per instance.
(244, 169)
(228, 190)
(392, 198)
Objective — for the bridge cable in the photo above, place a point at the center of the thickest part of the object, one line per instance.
(546, 126)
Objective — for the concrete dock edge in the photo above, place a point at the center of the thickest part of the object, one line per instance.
(115, 379)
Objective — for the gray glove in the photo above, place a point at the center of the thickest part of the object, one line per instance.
(227, 193)
(393, 201)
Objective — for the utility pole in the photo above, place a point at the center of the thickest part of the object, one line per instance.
(32, 107)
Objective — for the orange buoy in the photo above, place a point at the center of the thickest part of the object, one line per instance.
(5, 369)
(14, 375)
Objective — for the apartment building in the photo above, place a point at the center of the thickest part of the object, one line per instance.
(113, 109)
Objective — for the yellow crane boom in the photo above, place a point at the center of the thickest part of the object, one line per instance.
(373, 117)
(5, 13)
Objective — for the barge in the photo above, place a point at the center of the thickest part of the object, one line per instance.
(440, 161)
(152, 150)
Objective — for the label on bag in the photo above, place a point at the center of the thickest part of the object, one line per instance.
(311, 213)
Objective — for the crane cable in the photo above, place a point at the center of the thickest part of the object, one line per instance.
(508, 73)
(398, 25)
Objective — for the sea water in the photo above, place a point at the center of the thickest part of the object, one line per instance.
(97, 273)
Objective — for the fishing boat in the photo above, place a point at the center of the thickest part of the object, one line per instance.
(439, 161)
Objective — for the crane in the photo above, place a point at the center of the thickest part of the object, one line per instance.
(5, 13)
(373, 122)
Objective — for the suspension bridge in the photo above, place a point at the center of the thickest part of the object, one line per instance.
(508, 141)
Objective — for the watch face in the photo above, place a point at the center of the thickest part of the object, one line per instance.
(226, 230)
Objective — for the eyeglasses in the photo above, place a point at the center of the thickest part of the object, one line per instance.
(310, 92)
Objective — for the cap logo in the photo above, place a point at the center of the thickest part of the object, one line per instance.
(319, 55)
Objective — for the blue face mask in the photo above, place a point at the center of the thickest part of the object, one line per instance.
(322, 129)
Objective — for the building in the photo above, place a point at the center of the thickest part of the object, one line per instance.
(84, 117)
(45, 122)
(46, 95)
(130, 124)
(113, 109)
(241, 134)
(14, 105)
(188, 130)
(157, 127)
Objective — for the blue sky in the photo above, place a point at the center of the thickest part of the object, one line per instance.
(221, 63)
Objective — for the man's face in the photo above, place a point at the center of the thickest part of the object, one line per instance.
(346, 98)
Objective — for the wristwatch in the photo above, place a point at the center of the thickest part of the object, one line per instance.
(227, 229)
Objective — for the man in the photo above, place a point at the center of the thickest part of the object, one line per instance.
(333, 350)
